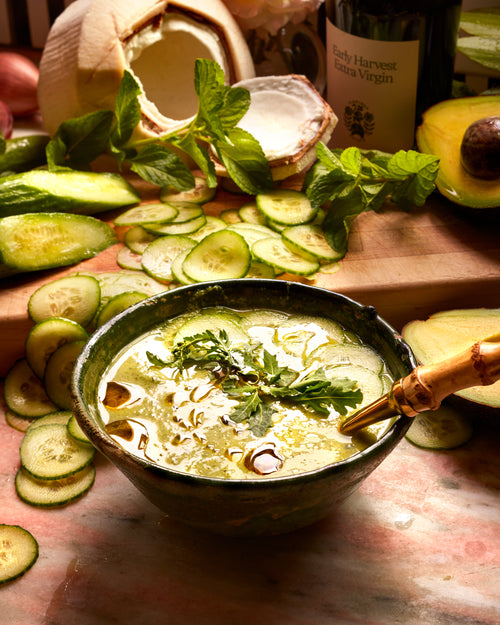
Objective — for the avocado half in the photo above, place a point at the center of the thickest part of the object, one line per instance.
(441, 132)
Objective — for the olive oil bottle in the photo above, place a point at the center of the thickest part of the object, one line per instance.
(387, 62)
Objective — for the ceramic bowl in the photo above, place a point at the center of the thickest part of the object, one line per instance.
(239, 507)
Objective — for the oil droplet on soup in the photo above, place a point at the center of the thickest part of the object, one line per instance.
(184, 419)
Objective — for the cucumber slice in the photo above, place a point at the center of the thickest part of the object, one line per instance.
(275, 253)
(118, 304)
(47, 336)
(24, 392)
(24, 153)
(260, 271)
(221, 255)
(176, 268)
(15, 421)
(127, 259)
(286, 206)
(348, 354)
(137, 239)
(252, 232)
(199, 194)
(370, 384)
(212, 224)
(147, 213)
(230, 216)
(86, 193)
(38, 241)
(50, 453)
(76, 431)
(158, 256)
(57, 378)
(52, 493)
(60, 416)
(113, 283)
(184, 227)
(18, 552)
(213, 321)
(74, 297)
(249, 213)
(310, 239)
(444, 428)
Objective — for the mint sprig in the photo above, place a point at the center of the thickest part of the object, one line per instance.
(351, 182)
(79, 141)
(256, 378)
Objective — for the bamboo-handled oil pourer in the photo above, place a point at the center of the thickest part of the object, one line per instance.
(426, 386)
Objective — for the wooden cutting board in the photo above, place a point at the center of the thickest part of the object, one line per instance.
(406, 265)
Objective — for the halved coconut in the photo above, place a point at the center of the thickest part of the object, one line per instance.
(93, 41)
(288, 117)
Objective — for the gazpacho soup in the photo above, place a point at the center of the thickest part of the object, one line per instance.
(242, 394)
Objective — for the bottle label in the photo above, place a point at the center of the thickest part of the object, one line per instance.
(372, 88)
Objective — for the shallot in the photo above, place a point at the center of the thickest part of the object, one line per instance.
(18, 83)
(6, 121)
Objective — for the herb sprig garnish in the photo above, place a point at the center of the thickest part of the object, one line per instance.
(352, 181)
(256, 378)
(79, 141)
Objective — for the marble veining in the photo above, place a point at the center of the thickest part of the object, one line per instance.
(417, 544)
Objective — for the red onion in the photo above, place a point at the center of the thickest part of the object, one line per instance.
(18, 83)
(6, 120)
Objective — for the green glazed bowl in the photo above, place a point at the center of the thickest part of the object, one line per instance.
(239, 507)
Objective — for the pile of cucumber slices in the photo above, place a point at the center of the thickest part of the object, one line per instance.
(176, 241)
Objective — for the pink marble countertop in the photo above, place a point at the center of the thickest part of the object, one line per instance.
(417, 544)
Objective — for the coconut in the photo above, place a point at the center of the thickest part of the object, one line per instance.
(288, 117)
(93, 41)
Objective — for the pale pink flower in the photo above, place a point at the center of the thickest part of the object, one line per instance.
(270, 14)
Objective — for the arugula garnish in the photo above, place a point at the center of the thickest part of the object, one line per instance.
(256, 378)
(79, 141)
(352, 181)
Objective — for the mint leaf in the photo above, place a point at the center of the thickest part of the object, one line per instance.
(417, 173)
(157, 164)
(77, 142)
(127, 110)
(245, 162)
(199, 155)
(353, 181)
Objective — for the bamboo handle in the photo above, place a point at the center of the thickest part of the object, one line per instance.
(426, 386)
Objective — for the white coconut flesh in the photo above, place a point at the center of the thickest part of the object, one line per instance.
(168, 85)
(288, 117)
(93, 41)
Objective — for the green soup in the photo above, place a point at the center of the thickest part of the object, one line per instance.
(242, 394)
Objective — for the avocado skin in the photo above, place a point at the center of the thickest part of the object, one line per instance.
(441, 132)
(480, 149)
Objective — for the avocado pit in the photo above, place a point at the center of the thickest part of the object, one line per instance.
(480, 148)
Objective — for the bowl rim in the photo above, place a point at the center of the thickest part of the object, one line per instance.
(106, 443)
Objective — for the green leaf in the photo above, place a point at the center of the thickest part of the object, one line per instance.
(199, 155)
(261, 419)
(320, 393)
(127, 110)
(79, 141)
(236, 101)
(338, 219)
(417, 173)
(156, 360)
(160, 166)
(245, 162)
(245, 408)
(3, 143)
(482, 50)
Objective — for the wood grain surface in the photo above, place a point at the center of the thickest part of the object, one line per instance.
(405, 264)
